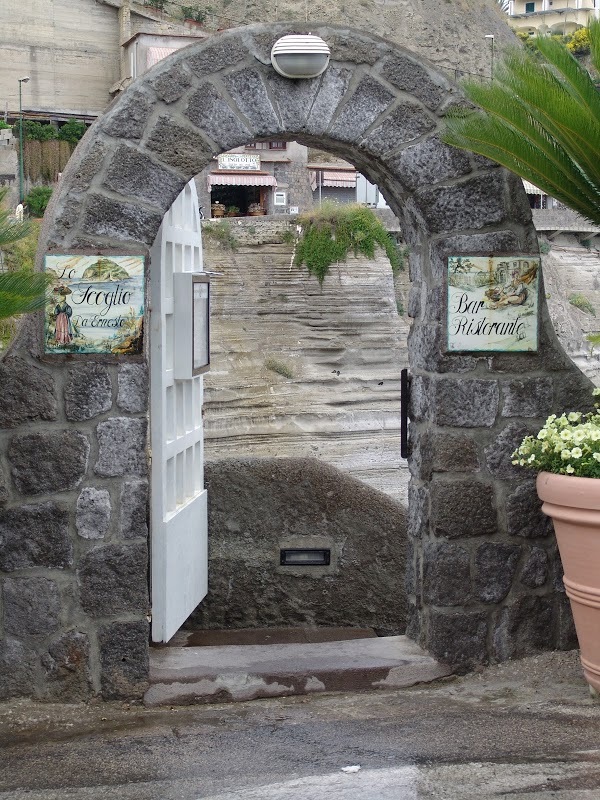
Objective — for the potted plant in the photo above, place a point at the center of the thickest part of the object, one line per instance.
(217, 210)
(255, 210)
(567, 453)
(233, 211)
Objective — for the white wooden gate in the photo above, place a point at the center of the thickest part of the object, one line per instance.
(179, 526)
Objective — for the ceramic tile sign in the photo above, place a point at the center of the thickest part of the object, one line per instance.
(493, 303)
(95, 304)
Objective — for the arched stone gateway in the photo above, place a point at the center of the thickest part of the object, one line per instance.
(484, 577)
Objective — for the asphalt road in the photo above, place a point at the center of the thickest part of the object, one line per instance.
(524, 731)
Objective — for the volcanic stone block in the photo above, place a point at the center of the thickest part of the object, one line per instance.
(335, 82)
(171, 84)
(535, 571)
(133, 388)
(527, 397)
(407, 122)
(210, 58)
(250, 96)
(427, 349)
(3, 488)
(458, 639)
(294, 100)
(495, 567)
(88, 392)
(48, 462)
(121, 447)
(466, 403)
(452, 453)
(470, 205)
(524, 515)
(358, 51)
(124, 660)
(446, 574)
(134, 509)
(31, 606)
(411, 77)
(129, 120)
(209, 111)
(17, 669)
(35, 536)
(113, 579)
(66, 668)
(498, 454)
(92, 516)
(361, 109)
(133, 173)
(525, 628)
(430, 162)
(462, 508)
(87, 169)
(418, 509)
(26, 393)
(121, 221)
(180, 147)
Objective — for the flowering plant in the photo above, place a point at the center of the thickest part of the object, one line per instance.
(566, 445)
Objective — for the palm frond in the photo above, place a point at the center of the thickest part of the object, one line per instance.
(22, 292)
(10, 230)
(540, 118)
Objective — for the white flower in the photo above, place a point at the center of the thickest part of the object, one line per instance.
(596, 456)
(579, 435)
(542, 434)
(570, 469)
(574, 416)
(596, 392)
(577, 452)
(565, 435)
(566, 454)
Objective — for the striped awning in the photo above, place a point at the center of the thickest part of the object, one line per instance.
(531, 189)
(240, 179)
(333, 178)
(156, 54)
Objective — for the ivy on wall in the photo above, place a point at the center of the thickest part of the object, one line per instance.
(331, 231)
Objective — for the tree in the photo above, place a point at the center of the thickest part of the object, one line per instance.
(20, 291)
(540, 118)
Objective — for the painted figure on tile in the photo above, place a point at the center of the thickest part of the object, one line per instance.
(63, 333)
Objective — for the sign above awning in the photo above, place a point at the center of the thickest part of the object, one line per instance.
(240, 179)
(245, 161)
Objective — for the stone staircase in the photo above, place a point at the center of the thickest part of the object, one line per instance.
(299, 369)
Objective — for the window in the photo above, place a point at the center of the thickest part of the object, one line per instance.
(529, 8)
(279, 199)
(267, 146)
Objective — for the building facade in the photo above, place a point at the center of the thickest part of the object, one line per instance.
(560, 17)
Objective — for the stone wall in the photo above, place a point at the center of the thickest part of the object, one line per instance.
(73, 529)
(470, 512)
(259, 506)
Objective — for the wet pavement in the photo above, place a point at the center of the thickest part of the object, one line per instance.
(525, 730)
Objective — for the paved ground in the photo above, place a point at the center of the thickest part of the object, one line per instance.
(524, 731)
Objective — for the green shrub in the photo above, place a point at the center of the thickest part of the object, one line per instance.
(581, 302)
(579, 42)
(544, 246)
(220, 232)
(38, 199)
(4, 125)
(71, 131)
(191, 12)
(331, 231)
(35, 131)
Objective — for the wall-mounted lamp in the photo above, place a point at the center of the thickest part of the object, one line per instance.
(300, 56)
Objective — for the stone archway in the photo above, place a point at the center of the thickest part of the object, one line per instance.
(483, 569)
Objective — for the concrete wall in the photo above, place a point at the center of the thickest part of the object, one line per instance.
(259, 506)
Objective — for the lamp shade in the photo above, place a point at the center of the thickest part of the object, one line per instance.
(300, 56)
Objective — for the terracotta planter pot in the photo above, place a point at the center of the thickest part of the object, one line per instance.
(217, 212)
(574, 506)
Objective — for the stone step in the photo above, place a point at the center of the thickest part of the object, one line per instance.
(194, 675)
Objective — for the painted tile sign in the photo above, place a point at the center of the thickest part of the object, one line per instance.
(493, 303)
(95, 304)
